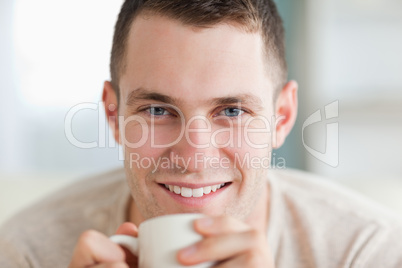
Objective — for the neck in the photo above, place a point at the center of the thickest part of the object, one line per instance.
(134, 214)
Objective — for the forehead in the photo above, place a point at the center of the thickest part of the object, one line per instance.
(193, 63)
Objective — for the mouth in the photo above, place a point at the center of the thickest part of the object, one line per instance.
(188, 192)
(193, 197)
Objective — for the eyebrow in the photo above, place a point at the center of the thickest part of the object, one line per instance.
(247, 99)
(145, 94)
(141, 94)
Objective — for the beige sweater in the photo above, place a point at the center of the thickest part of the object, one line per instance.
(312, 224)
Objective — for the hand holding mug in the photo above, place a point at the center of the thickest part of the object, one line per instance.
(182, 240)
(230, 243)
(94, 249)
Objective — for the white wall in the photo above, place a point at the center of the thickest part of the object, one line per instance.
(354, 56)
(349, 51)
(55, 54)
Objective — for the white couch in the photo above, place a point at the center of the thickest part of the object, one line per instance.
(19, 191)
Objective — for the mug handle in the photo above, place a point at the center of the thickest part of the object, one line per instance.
(129, 242)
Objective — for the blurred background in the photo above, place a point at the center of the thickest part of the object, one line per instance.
(55, 55)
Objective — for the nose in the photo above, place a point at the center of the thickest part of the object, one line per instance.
(195, 150)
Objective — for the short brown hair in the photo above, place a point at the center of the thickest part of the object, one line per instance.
(250, 15)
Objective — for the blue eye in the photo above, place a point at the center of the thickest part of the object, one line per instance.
(232, 112)
(158, 111)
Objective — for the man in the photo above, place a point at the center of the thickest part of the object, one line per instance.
(198, 99)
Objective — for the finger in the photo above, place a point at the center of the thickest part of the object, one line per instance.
(128, 228)
(219, 225)
(219, 248)
(131, 229)
(94, 248)
(249, 259)
(111, 265)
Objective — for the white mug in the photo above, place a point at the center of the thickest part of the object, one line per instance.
(159, 240)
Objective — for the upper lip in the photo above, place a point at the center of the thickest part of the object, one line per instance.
(192, 185)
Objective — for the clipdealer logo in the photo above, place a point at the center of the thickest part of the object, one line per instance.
(330, 156)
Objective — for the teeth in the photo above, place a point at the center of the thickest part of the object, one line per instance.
(198, 192)
(188, 192)
(207, 190)
(176, 189)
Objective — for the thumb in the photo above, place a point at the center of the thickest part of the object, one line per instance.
(128, 228)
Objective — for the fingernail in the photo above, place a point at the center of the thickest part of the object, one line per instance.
(188, 252)
(205, 222)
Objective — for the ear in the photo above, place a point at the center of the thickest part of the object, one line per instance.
(111, 108)
(285, 112)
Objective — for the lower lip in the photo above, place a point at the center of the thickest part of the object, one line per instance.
(196, 202)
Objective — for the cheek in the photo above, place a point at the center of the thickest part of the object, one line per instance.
(250, 137)
(149, 140)
(250, 160)
(164, 136)
(257, 143)
(257, 134)
(134, 132)
(252, 150)
(143, 146)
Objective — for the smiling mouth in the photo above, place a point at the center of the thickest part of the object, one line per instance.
(199, 192)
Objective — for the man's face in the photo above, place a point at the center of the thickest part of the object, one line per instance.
(198, 107)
